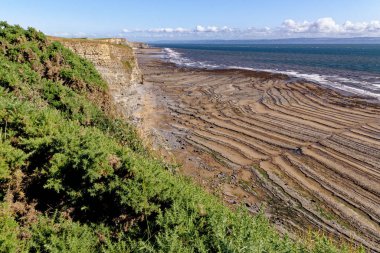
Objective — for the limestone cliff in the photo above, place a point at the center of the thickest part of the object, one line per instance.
(115, 61)
(113, 58)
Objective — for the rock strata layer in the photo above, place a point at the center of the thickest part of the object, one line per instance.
(308, 155)
(115, 61)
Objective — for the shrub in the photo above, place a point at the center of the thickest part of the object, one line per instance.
(8, 230)
(56, 235)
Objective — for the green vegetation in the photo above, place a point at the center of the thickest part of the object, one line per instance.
(128, 65)
(74, 176)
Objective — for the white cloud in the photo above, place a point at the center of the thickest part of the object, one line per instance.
(321, 27)
(200, 28)
(166, 30)
(162, 30)
(325, 25)
(373, 26)
(329, 26)
(197, 29)
(181, 30)
(289, 28)
(292, 26)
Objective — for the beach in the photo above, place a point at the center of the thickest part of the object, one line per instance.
(306, 155)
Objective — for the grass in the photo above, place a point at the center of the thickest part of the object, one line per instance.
(74, 177)
(129, 65)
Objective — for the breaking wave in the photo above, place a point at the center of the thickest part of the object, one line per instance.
(350, 85)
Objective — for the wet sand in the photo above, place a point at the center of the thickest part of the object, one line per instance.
(307, 155)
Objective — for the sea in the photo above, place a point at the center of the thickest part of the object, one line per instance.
(351, 68)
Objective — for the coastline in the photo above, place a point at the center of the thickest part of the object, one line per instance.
(305, 154)
(337, 82)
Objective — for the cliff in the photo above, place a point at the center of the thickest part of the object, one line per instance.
(113, 58)
(115, 61)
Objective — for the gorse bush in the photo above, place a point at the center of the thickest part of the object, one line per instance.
(75, 178)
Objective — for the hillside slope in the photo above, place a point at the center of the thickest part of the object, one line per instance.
(76, 178)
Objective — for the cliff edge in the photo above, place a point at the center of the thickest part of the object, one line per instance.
(115, 61)
(113, 58)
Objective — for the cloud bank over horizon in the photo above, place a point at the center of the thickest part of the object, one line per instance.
(322, 27)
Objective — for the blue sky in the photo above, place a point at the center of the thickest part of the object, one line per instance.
(197, 19)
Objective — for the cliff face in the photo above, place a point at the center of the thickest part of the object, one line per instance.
(115, 61)
(113, 58)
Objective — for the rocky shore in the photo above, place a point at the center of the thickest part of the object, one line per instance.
(306, 155)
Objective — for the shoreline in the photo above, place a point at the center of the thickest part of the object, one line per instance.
(304, 153)
(346, 91)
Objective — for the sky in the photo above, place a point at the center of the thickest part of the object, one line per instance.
(150, 20)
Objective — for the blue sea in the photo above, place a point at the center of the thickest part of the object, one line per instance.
(350, 68)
